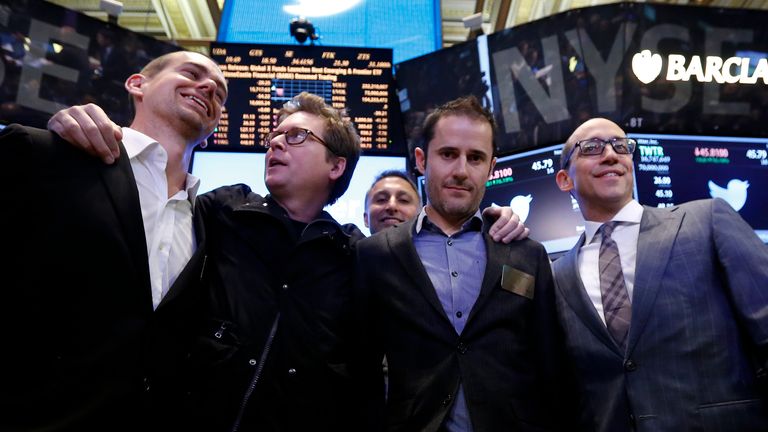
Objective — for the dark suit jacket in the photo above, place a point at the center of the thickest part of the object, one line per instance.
(699, 317)
(77, 318)
(508, 358)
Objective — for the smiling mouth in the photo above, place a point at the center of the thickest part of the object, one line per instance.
(392, 219)
(610, 174)
(200, 102)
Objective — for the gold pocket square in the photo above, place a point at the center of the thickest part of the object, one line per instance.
(517, 282)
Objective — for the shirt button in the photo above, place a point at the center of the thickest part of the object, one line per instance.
(630, 366)
(252, 362)
(450, 242)
(447, 400)
(291, 371)
(459, 314)
(285, 286)
(461, 348)
(264, 204)
(455, 273)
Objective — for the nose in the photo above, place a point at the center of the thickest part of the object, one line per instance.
(208, 85)
(277, 142)
(391, 206)
(460, 168)
(609, 154)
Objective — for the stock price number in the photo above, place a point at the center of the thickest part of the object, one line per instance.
(542, 164)
(501, 173)
(664, 193)
(757, 154)
(662, 180)
(710, 152)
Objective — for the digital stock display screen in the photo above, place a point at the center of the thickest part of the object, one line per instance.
(673, 169)
(263, 77)
(526, 182)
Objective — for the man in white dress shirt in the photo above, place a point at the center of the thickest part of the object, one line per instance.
(94, 299)
(664, 308)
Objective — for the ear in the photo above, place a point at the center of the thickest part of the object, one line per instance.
(365, 220)
(493, 165)
(337, 170)
(564, 181)
(421, 160)
(134, 85)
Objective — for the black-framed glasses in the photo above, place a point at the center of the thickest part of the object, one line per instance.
(293, 137)
(595, 146)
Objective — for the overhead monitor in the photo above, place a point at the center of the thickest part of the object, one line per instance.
(410, 28)
(673, 169)
(263, 77)
(526, 182)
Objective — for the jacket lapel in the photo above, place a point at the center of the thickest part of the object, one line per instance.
(575, 295)
(194, 268)
(496, 256)
(400, 239)
(121, 186)
(658, 231)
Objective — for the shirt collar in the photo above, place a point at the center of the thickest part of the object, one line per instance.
(474, 223)
(138, 144)
(631, 213)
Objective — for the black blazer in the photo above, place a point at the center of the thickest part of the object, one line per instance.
(77, 311)
(509, 357)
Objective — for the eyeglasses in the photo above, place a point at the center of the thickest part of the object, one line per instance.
(293, 137)
(595, 146)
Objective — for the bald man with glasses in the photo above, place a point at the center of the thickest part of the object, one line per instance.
(664, 309)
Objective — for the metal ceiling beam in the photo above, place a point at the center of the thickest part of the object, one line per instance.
(501, 18)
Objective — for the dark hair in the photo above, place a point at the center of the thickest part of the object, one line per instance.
(387, 174)
(340, 136)
(467, 106)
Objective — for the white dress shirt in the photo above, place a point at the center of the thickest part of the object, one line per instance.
(167, 221)
(625, 235)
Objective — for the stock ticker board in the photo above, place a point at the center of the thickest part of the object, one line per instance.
(263, 77)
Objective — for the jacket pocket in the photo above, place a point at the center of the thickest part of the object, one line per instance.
(738, 415)
(217, 344)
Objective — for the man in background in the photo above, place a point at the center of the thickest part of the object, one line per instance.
(664, 308)
(468, 325)
(95, 298)
(392, 199)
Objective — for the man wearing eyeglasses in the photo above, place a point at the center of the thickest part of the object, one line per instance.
(276, 350)
(664, 308)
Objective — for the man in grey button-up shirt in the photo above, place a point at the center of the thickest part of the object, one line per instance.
(468, 325)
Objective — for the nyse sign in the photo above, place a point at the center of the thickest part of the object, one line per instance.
(607, 72)
(35, 65)
(52, 57)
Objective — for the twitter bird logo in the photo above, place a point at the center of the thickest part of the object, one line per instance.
(521, 205)
(735, 194)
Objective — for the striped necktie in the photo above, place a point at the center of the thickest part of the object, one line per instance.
(616, 306)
